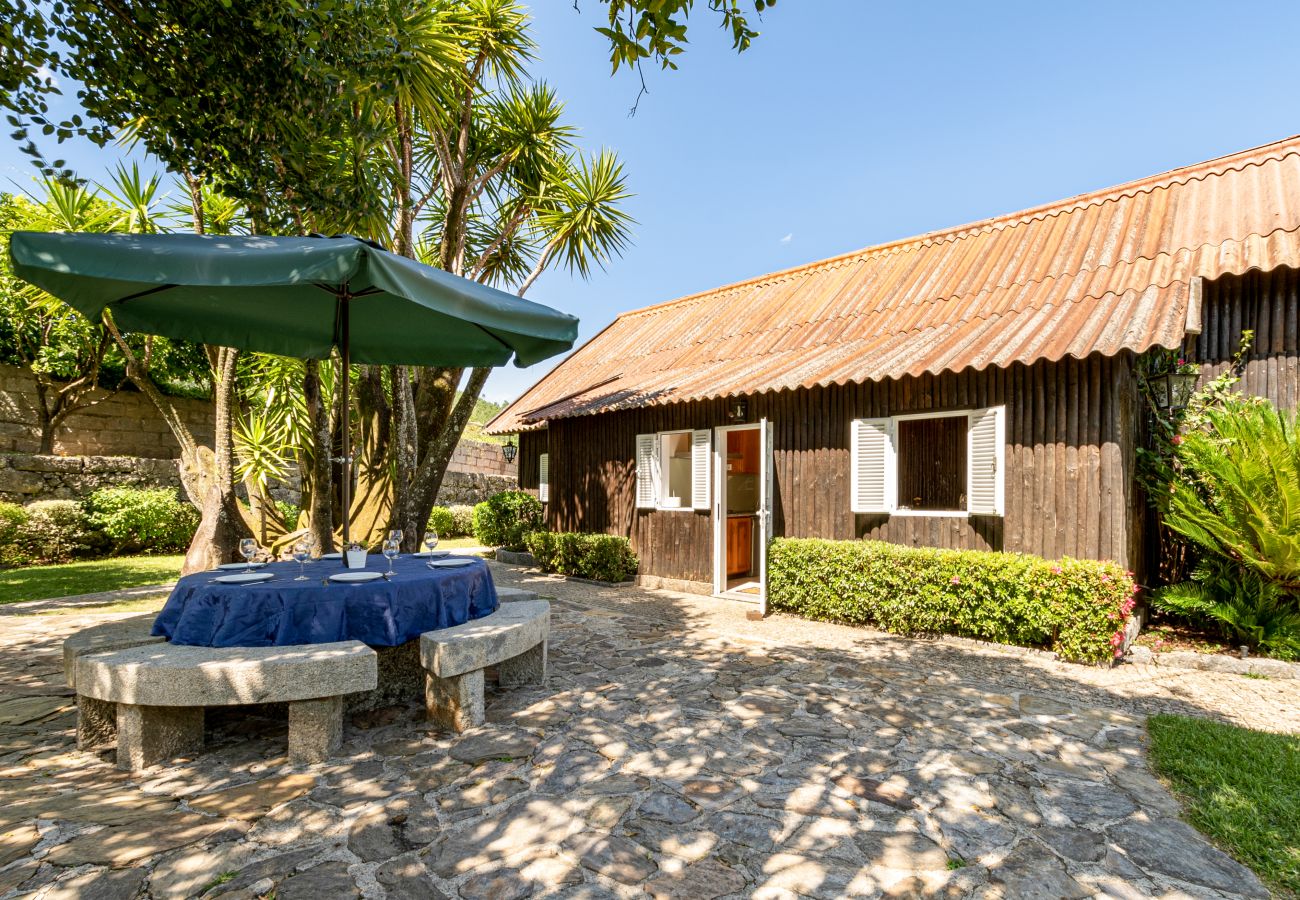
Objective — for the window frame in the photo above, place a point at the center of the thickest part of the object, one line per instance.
(912, 417)
(661, 475)
(891, 467)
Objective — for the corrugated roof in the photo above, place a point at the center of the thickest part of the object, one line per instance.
(1098, 273)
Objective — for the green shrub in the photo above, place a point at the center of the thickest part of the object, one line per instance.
(442, 521)
(56, 531)
(12, 518)
(141, 519)
(506, 519)
(600, 557)
(1239, 603)
(1076, 607)
(289, 512)
(462, 520)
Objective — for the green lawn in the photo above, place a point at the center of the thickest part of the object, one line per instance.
(1240, 787)
(92, 576)
(459, 543)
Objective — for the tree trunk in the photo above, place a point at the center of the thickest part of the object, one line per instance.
(317, 475)
(428, 480)
(221, 526)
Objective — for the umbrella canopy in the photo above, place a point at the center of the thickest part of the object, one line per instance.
(289, 296)
(300, 297)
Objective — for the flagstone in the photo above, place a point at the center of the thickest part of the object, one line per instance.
(124, 845)
(255, 799)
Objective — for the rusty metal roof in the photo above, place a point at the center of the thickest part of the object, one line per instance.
(1098, 273)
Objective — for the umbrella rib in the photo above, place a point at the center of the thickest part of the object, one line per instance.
(139, 294)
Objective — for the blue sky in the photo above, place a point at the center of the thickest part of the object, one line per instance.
(852, 123)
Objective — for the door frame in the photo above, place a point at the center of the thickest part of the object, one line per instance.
(720, 433)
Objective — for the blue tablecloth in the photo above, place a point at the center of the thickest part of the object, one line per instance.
(282, 611)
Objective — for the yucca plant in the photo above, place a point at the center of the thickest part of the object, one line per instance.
(1245, 607)
(1239, 494)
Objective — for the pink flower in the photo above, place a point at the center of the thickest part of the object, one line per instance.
(1176, 439)
(1182, 362)
(956, 580)
(1056, 570)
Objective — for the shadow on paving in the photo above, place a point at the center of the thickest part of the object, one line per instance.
(665, 755)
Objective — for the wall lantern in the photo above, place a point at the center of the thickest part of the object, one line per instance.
(738, 410)
(1172, 391)
(509, 450)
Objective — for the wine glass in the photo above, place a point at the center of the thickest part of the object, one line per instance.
(396, 535)
(302, 553)
(431, 540)
(248, 549)
(391, 550)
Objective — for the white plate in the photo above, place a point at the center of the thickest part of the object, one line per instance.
(356, 576)
(452, 563)
(239, 567)
(435, 554)
(331, 556)
(244, 578)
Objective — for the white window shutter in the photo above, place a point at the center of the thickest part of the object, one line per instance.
(700, 447)
(647, 458)
(985, 461)
(544, 477)
(872, 475)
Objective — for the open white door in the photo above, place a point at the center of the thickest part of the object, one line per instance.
(764, 508)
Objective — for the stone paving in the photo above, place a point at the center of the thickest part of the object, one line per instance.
(679, 751)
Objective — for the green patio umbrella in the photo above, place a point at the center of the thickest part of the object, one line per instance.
(294, 296)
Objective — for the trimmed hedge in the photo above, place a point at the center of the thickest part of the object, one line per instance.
(149, 520)
(1076, 607)
(56, 531)
(12, 519)
(452, 521)
(506, 519)
(600, 557)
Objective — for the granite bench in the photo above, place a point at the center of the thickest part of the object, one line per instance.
(97, 720)
(513, 639)
(159, 692)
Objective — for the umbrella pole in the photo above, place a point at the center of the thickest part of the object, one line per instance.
(345, 404)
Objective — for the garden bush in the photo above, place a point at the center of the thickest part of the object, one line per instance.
(12, 519)
(506, 519)
(600, 557)
(290, 512)
(442, 521)
(138, 520)
(56, 531)
(452, 521)
(462, 517)
(1076, 607)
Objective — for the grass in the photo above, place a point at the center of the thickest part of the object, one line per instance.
(90, 577)
(459, 543)
(1240, 787)
(151, 603)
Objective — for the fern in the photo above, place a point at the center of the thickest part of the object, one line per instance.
(1240, 497)
(1245, 606)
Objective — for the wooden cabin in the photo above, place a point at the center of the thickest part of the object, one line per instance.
(970, 388)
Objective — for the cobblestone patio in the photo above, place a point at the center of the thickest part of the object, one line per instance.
(679, 751)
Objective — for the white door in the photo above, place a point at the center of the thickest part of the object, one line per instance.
(720, 509)
(764, 507)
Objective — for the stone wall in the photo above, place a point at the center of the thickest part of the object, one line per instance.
(482, 458)
(121, 424)
(26, 477)
(469, 488)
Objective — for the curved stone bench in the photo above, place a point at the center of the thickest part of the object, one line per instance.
(513, 639)
(97, 720)
(160, 691)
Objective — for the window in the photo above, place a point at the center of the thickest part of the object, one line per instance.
(672, 470)
(938, 464)
(675, 466)
(544, 477)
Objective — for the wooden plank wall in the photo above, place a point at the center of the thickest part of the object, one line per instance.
(1269, 304)
(1069, 485)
